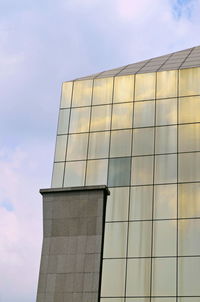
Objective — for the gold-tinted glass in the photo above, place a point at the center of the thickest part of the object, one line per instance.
(97, 172)
(77, 146)
(79, 120)
(165, 169)
(165, 201)
(167, 84)
(142, 170)
(166, 112)
(115, 240)
(139, 240)
(143, 141)
(189, 81)
(101, 116)
(74, 173)
(60, 150)
(189, 110)
(98, 145)
(123, 89)
(144, 114)
(122, 116)
(166, 139)
(57, 177)
(66, 95)
(189, 137)
(145, 86)
(141, 203)
(188, 237)
(189, 200)
(164, 238)
(120, 143)
(138, 277)
(102, 93)
(113, 278)
(117, 204)
(82, 93)
(189, 164)
(63, 121)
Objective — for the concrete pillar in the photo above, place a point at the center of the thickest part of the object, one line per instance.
(71, 260)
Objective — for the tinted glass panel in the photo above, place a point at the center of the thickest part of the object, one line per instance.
(74, 173)
(189, 234)
(102, 91)
(142, 170)
(189, 164)
(123, 91)
(189, 200)
(101, 116)
(77, 146)
(120, 143)
(79, 120)
(165, 201)
(167, 84)
(189, 81)
(189, 109)
(117, 204)
(122, 116)
(164, 238)
(57, 177)
(97, 172)
(63, 121)
(189, 137)
(141, 203)
(166, 112)
(145, 86)
(166, 139)
(60, 151)
(143, 141)
(66, 95)
(82, 93)
(166, 168)
(119, 172)
(144, 114)
(98, 145)
(115, 240)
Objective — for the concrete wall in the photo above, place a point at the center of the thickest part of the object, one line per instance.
(71, 257)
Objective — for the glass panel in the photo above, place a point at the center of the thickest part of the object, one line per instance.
(120, 143)
(138, 300)
(165, 168)
(189, 276)
(166, 139)
(101, 116)
(143, 141)
(189, 109)
(141, 203)
(142, 170)
(145, 86)
(98, 145)
(164, 238)
(112, 300)
(164, 277)
(189, 138)
(97, 172)
(102, 91)
(122, 116)
(166, 112)
(74, 174)
(139, 240)
(79, 121)
(77, 146)
(82, 93)
(119, 172)
(189, 234)
(113, 278)
(144, 114)
(167, 84)
(66, 95)
(189, 200)
(115, 240)
(57, 177)
(189, 164)
(138, 277)
(60, 150)
(117, 204)
(189, 81)
(163, 300)
(191, 299)
(165, 201)
(123, 90)
(63, 121)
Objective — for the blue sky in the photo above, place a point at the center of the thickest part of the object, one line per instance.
(42, 44)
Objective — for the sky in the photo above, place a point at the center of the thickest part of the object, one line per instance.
(42, 44)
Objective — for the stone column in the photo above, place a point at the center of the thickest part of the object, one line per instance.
(71, 260)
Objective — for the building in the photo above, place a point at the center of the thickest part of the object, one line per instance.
(136, 129)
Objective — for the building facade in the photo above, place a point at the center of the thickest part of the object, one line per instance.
(136, 129)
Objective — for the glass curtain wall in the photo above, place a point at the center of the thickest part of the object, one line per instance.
(140, 135)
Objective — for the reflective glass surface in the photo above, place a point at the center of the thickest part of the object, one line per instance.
(165, 168)
(120, 143)
(189, 109)
(166, 112)
(66, 95)
(119, 172)
(189, 200)
(123, 90)
(115, 240)
(166, 139)
(122, 116)
(79, 120)
(164, 238)
(117, 204)
(144, 114)
(77, 146)
(165, 201)
(97, 172)
(57, 178)
(75, 173)
(82, 93)
(143, 141)
(63, 121)
(101, 117)
(189, 81)
(188, 235)
(60, 151)
(145, 91)
(98, 145)
(189, 164)
(102, 93)
(141, 203)
(167, 84)
(142, 170)
(189, 138)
